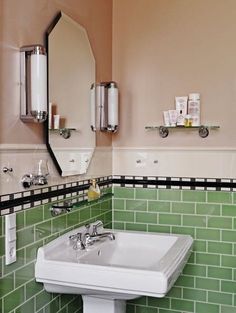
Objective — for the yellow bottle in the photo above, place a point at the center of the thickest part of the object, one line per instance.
(93, 191)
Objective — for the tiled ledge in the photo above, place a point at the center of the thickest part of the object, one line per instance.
(15, 202)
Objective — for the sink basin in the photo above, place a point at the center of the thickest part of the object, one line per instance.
(132, 265)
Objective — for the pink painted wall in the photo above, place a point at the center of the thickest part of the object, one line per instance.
(168, 48)
(25, 22)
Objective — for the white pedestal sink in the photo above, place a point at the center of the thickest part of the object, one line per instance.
(112, 271)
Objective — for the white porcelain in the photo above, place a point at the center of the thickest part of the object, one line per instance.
(132, 265)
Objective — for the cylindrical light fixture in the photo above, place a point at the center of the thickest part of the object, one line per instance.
(39, 84)
(112, 107)
(33, 83)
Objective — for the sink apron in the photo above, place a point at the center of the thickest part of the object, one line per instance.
(101, 305)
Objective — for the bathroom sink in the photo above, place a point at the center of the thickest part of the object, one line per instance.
(132, 265)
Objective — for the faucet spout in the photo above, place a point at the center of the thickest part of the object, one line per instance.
(90, 239)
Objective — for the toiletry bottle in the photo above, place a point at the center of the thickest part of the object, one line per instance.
(180, 119)
(194, 108)
(93, 191)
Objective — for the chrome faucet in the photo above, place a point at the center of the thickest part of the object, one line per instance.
(90, 239)
(82, 240)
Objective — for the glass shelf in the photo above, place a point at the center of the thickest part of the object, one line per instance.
(64, 132)
(203, 130)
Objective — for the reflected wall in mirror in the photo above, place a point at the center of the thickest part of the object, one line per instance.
(71, 71)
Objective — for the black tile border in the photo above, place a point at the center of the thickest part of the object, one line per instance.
(187, 183)
(30, 198)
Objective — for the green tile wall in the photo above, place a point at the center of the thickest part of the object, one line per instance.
(208, 282)
(19, 293)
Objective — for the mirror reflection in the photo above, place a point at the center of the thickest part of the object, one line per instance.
(71, 71)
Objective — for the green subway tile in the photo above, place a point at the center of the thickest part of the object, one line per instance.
(145, 193)
(175, 292)
(20, 260)
(208, 234)
(220, 298)
(136, 205)
(195, 270)
(28, 306)
(119, 225)
(183, 230)
(220, 272)
(34, 215)
(43, 230)
(228, 286)
(24, 237)
(193, 220)
(1, 226)
(199, 245)
(229, 210)
(72, 218)
(183, 207)
(220, 247)
(159, 229)
(207, 308)
(184, 305)
(228, 235)
(194, 196)
(124, 216)
(141, 309)
(207, 283)
(32, 288)
(228, 261)
(42, 299)
(2, 246)
(95, 209)
(66, 298)
(207, 258)
(130, 308)
(31, 251)
(13, 299)
(158, 206)
(194, 294)
(220, 222)
(219, 197)
(59, 224)
(170, 219)
(20, 220)
(167, 311)
(6, 284)
(24, 274)
(106, 206)
(208, 209)
(53, 306)
(46, 211)
(136, 226)
(169, 194)
(122, 192)
(118, 204)
(228, 309)
(146, 217)
(185, 281)
(84, 214)
(159, 302)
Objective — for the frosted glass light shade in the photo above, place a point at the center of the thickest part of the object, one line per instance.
(112, 107)
(38, 83)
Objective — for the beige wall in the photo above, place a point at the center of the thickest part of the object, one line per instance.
(24, 22)
(168, 48)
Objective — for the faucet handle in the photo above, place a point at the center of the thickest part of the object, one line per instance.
(96, 226)
(87, 226)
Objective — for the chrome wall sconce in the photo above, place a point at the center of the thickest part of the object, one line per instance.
(33, 79)
(104, 106)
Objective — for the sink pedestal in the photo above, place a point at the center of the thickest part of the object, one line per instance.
(100, 305)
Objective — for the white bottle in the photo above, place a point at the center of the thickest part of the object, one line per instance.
(180, 119)
(194, 108)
